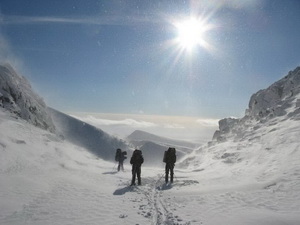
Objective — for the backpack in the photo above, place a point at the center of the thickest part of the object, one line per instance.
(165, 157)
(137, 157)
(124, 155)
(118, 154)
(170, 156)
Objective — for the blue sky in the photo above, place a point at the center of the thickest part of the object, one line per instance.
(121, 57)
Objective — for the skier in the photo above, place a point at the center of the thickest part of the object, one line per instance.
(120, 157)
(169, 159)
(136, 161)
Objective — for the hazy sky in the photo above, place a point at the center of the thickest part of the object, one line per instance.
(182, 58)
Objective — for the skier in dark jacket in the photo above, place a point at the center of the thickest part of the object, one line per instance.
(136, 161)
(120, 157)
(169, 159)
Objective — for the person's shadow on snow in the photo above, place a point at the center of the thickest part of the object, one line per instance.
(112, 172)
(164, 187)
(122, 191)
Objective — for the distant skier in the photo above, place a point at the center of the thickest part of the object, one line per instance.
(169, 159)
(120, 157)
(136, 161)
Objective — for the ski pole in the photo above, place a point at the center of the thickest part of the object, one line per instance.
(175, 177)
(160, 177)
(114, 166)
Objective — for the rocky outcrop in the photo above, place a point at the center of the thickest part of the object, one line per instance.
(17, 96)
(281, 98)
(274, 100)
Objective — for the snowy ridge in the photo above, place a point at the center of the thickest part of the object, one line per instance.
(262, 149)
(139, 135)
(85, 135)
(281, 99)
(17, 96)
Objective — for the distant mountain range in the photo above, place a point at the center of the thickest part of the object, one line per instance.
(152, 144)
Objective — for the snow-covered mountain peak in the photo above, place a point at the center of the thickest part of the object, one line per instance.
(17, 96)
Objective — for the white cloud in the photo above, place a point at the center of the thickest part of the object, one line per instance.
(124, 122)
(91, 20)
(208, 122)
(235, 4)
(176, 127)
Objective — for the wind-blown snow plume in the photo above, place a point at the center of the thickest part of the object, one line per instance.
(83, 134)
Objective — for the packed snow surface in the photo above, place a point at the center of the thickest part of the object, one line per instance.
(46, 180)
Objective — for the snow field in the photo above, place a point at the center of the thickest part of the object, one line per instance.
(45, 180)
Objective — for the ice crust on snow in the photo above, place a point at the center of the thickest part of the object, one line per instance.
(17, 96)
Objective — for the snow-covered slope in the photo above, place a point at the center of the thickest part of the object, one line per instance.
(85, 135)
(272, 118)
(47, 180)
(17, 96)
(259, 152)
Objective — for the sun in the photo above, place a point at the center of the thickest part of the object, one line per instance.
(190, 33)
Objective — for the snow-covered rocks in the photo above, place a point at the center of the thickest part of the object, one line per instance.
(18, 97)
(274, 100)
(280, 99)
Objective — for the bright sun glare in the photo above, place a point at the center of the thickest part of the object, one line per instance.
(191, 33)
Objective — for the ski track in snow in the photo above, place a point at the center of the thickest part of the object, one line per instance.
(157, 209)
(79, 197)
